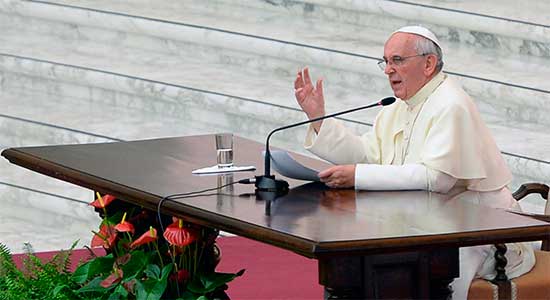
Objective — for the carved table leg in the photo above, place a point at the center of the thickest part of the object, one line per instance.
(501, 280)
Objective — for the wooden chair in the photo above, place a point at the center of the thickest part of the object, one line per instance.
(533, 285)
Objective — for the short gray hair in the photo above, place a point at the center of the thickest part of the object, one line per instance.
(425, 46)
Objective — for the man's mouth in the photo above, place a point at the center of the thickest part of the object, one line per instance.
(395, 82)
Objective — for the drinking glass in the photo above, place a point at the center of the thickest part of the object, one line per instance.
(224, 149)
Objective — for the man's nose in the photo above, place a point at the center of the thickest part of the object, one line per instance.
(389, 68)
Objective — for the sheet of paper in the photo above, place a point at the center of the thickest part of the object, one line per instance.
(284, 164)
(216, 170)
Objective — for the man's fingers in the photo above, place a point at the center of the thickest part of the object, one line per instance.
(307, 79)
(332, 184)
(319, 87)
(325, 174)
(299, 82)
(308, 89)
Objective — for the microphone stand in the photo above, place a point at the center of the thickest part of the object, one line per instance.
(267, 187)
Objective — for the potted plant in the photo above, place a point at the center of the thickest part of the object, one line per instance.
(139, 263)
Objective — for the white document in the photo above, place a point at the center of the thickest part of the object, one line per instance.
(217, 170)
(284, 164)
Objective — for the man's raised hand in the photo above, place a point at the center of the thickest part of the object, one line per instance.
(310, 98)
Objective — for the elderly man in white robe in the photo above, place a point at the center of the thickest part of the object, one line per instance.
(431, 139)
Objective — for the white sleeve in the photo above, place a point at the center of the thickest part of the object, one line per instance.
(406, 177)
(438, 181)
(340, 145)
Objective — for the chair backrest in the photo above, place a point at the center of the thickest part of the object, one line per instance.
(538, 188)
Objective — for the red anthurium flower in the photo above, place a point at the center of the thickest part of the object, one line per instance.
(180, 276)
(177, 235)
(105, 237)
(145, 238)
(115, 277)
(130, 286)
(124, 259)
(124, 226)
(102, 202)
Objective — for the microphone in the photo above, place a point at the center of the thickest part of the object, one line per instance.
(267, 182)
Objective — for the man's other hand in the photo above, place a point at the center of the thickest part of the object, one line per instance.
(339, 176)
(310, 98)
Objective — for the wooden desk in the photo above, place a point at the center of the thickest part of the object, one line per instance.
(369, 245)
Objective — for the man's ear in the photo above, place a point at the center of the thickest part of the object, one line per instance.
(431, 65)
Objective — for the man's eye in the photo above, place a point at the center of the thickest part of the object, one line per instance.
(397, 59)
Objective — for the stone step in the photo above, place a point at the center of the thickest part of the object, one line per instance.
(41, 111)
(223, 83)
(523, 144)
(53, 196)
(510, 85)
(506, 25)
(194, 68)
(47, 222)
(224, 75)
(39, 200)
(510, 26)
(511, 10)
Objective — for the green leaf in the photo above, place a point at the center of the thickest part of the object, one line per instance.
(80, 275)
(140, 290)
(93, 286)
(122, 291)
(101, 265)
(206, 283)
(135, 265)
(151, 289)
(153, 271)
(146, 290)
(58, 289)
(166, 271)
(114, 296)
(157, 290)
(187, 295)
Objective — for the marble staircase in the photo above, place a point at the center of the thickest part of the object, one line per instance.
(75, 71)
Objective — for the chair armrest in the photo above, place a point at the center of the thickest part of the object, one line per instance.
(529, 188)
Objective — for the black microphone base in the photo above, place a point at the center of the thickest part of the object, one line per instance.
(270, 184)
(268, 189)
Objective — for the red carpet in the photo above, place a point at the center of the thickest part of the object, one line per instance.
(271, 273)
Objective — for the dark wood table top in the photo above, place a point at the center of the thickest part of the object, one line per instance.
(311, 220)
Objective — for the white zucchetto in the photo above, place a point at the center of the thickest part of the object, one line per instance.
(421, 31)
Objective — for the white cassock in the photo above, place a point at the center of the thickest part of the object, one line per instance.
(434, 141)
